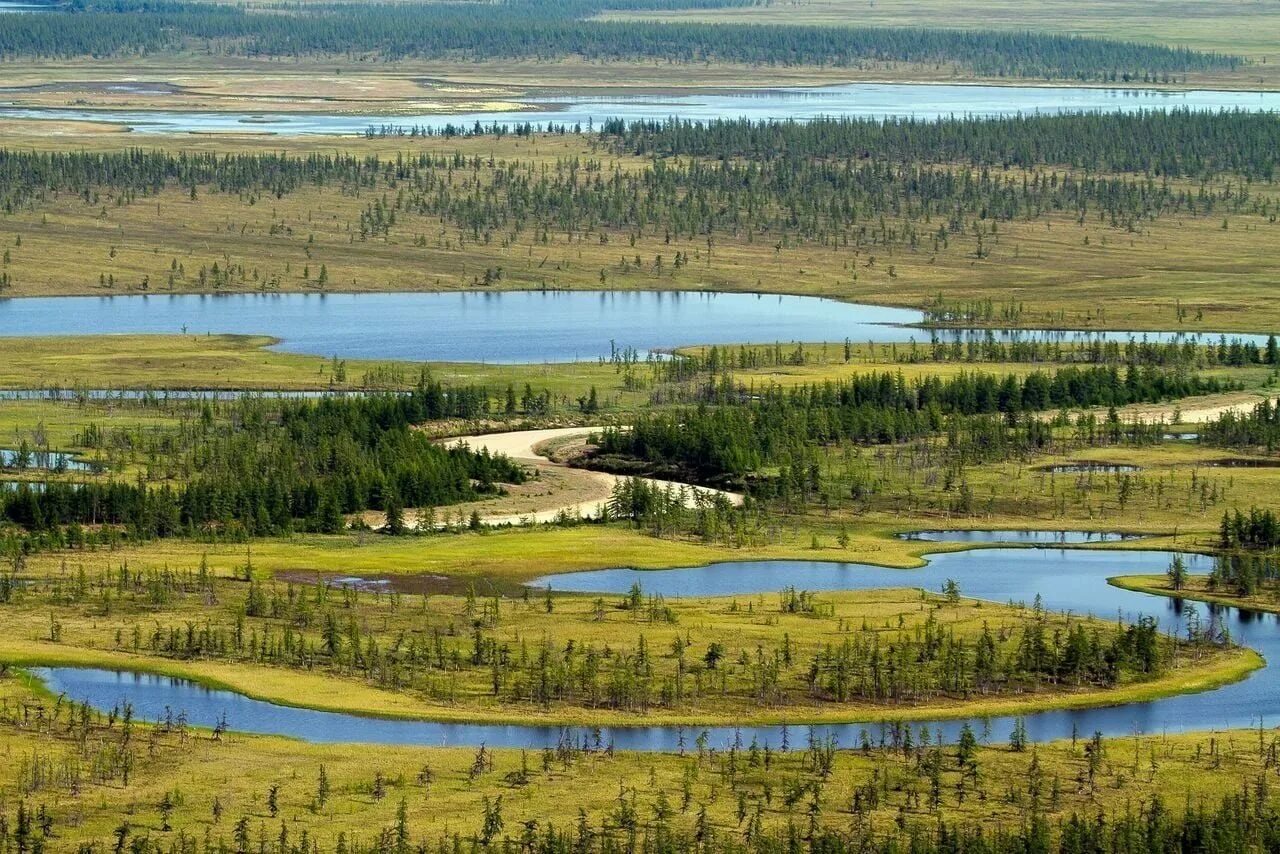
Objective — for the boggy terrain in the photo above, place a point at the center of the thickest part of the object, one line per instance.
(600, 659)
(935, 587)
(147, 787)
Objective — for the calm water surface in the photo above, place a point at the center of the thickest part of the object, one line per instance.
(1070, 580)
(1019, 537)
(1090, 468)
(854, 100)
(505, 327)
(162, 395)
(49, 460)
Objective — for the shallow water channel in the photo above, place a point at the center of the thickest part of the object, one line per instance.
(589, 111)
(1067, 580)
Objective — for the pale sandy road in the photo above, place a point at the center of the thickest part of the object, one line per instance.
(581, 492)
(1199, 410)
(520, 444)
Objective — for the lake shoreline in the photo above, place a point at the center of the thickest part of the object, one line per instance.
(1048, 717)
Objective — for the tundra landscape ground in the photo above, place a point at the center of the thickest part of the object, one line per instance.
(584, 555)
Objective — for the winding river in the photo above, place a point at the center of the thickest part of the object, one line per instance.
(504, 327)
(849, 100)
(1072, 580)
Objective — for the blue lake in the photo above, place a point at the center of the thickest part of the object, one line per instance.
(500, 327)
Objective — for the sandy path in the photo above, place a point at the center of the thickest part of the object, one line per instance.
(559, 488)
(1199, 410)
(520, 445)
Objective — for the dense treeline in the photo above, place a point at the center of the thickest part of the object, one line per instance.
(665, 510)
(1259, 529)
(271, 466)
(1258, 428)
(523, 29)
(966, 346)
(1155, 142)
(1244, 574)
(750, 428)
(1190, 351)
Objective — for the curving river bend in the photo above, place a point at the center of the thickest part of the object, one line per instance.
(1067, 580)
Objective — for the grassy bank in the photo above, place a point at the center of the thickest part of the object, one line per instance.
(435, 636)
(265, 784)
(738, 625)
(1197, 589)
(246, 362)
(324, 693)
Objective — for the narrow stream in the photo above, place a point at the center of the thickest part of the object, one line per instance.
(1067, 580)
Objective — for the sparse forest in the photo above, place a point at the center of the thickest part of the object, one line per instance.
(524, 29)
(634, 654)
(858, 201)
(789, 587)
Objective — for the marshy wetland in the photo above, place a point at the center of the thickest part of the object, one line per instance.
(568, 427)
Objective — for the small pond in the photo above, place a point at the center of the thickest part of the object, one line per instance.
(47, 460)
(1090, 468)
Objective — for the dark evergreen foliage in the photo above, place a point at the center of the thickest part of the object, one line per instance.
(1260, 529)
(268, 470)
(749, 428)
(1245, 574)
(855, 202)
(522, 29)
(1155, 142)
(1259, 428)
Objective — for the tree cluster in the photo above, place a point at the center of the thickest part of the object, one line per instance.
(271, 466)
(1171, 143)
(738, 430)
